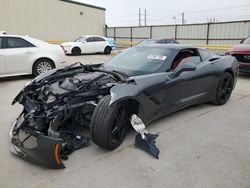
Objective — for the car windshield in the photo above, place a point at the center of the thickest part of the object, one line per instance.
(139, 60)
(247, 41)
(80, 39)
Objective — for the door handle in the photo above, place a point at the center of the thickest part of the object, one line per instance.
(28, 52)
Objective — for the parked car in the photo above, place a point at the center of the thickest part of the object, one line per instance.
(157, 41)
(20, 55)
(112, 43)
(242, 53)
(88, 44)
(147, 81)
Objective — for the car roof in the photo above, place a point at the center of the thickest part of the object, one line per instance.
(34, 41)
(21, 36)
(87, 36)
(168, 46)
(160, 39)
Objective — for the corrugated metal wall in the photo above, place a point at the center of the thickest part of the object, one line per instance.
(226, 33)
(163, 31)
(50, 19)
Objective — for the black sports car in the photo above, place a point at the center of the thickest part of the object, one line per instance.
(148, 81)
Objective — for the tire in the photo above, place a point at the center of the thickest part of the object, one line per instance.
(76, 51)
(108, 126)
(224, 89)
(107, 50)
(42, 65)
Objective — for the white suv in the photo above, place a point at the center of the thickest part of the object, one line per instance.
(20, 55)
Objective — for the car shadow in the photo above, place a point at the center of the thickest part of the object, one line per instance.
(15, 78)
(70, 55)
(244, 75)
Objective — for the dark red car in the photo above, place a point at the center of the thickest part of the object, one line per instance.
(242, 53)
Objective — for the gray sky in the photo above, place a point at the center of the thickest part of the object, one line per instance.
(125, 12)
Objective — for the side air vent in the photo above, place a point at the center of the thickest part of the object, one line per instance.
(214, 59)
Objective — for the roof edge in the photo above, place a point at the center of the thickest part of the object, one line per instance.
(83, 4)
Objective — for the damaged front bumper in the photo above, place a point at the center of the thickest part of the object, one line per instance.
(35, 147)
(41, 149)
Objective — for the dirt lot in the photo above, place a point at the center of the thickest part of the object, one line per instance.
(202, 146)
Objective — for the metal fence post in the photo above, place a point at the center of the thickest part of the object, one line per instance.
(175, 32)
(106, 31)
(208, 30)
(151, 31)
(114, 35)
(131, 36)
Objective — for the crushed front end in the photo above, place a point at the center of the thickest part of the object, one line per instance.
(54, 106)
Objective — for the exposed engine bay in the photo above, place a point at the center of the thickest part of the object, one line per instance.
(54, 105)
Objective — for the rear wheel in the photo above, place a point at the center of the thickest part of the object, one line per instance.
(42, 65)
(109, 126)
(107, 50)
(76, 51)
(224, 89)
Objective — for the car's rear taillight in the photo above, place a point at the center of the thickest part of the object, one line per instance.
(63, 49)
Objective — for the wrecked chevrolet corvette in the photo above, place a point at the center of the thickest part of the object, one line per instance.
(141, 84)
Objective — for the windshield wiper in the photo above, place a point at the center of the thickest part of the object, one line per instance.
(120, 72)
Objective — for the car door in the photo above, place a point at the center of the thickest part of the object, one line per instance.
(99, 44)
(190, 87)
(88, 45)
(19, 55)
(2, 62)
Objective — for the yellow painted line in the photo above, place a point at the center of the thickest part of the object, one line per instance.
(55, 41)
(126, 42)
(216, 47)
(212, 47)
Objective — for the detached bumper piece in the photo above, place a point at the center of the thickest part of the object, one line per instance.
(45, 153)
(147, 144)
(41, 149)
(144, 140)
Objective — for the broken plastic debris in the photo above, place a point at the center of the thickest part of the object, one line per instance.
(71, 143)
(144, 140)
(148, 144)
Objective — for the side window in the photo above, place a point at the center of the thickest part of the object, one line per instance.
(186, 56)
(1, 42)
(90, 39)
(14, 42)
(99, 39)
(204, 54)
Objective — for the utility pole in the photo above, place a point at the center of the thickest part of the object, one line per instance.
(139, 16)
(145, 19)
(182, 18)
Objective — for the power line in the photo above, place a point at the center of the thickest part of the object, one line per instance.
(182, 18)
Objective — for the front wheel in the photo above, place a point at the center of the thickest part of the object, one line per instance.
(76, 51)
(224, 89)
(42, 65)
(109, 126)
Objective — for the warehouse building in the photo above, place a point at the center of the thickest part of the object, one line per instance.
(51, 20)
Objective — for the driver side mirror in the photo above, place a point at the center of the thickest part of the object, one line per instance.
(183, 68)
